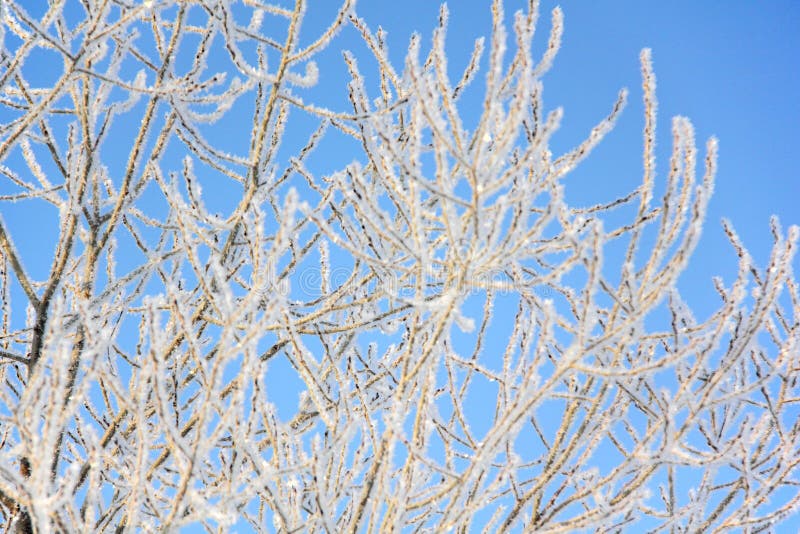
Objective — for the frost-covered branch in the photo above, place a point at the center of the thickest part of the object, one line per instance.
(236, 330)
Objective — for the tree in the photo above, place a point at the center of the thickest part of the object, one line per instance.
(137, 388)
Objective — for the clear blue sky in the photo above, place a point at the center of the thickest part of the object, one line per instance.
(732, 67)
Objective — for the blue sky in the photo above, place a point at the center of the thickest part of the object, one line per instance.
(731, 67)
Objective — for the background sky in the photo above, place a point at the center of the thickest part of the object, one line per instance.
(731, 67)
